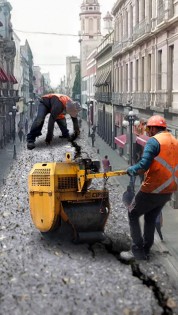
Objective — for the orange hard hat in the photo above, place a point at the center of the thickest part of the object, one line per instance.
(156, 121)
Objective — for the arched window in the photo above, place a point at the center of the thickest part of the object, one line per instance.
(83, 25)
(90, 26)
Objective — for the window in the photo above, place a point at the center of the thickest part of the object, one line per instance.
(143, 74)
(159, 69)
(126, 23)
(90, 26)
(171, 70)
(137, 12)
(131, 20)
(136, 75)
(149, 73)
(126, 78)
(143, 10)
(131, 77)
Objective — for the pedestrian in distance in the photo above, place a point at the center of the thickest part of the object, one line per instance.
(94, 128)
(106, 164)
(21, 134)
(93, 139)
(159, 163)
(80, 122)
(26, 126)
(57, 105)
(159, 224)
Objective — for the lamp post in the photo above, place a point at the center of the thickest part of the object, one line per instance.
(131, 120)
(80, 42)
(10, 115)
(13, 114)
(88, 104)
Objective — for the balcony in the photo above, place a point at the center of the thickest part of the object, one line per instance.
(117, 48)
(141, 29)
(117, 98)
(9, 93)
(103, 97)
(160, 100)
(141, 99)
(121, 98)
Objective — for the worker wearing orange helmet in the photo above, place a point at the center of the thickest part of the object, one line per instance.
(159, 163)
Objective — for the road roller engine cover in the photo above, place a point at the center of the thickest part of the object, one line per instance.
(60, 198)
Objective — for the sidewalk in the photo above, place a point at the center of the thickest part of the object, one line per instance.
(7, 156)
(169, 247)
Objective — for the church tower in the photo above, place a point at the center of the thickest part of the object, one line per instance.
(90, 18)
(90, 31)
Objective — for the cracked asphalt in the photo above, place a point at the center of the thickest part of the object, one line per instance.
(40, 276)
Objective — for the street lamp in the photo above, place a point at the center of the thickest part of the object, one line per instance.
(89, 104)
(80, 42)
(131, 120)
(10, 115)
(13, 114)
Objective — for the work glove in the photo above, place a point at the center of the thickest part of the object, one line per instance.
(130, 171)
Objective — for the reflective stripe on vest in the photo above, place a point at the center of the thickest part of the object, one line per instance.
(171, 179)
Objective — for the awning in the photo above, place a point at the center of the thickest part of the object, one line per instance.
(102, 81)
(142, 140)
(121, 140)
(105, 78)
(12, 79)
(97, 81)
(3, 76)
(108, 78)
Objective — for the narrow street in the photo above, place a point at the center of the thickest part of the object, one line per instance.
(40, 276)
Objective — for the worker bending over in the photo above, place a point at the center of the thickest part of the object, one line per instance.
(57, 105)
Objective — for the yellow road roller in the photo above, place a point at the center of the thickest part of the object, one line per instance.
(61, 202)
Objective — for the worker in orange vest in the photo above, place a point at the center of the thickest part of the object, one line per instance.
(57, 105)
(159, 164)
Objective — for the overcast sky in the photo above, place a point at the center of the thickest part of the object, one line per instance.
(54, 16)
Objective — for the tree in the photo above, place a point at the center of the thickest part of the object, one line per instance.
(76, 90)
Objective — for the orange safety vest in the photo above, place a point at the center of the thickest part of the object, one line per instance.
(162, 176)
(63, 98)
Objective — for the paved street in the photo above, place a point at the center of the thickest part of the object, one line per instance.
(54, 277)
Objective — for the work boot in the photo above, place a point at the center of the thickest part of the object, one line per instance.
(65, 137)
(30, 145)
(129, 256)
(147, 253)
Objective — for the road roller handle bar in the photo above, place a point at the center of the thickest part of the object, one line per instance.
(83, 176)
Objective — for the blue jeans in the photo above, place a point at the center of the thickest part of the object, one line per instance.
(149, 205)
(38, 123)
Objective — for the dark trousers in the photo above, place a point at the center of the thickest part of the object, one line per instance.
(158, 229)
(148, 205)
(62, 126)
(38, 123)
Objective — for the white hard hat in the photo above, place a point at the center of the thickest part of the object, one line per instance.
(73, 108)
